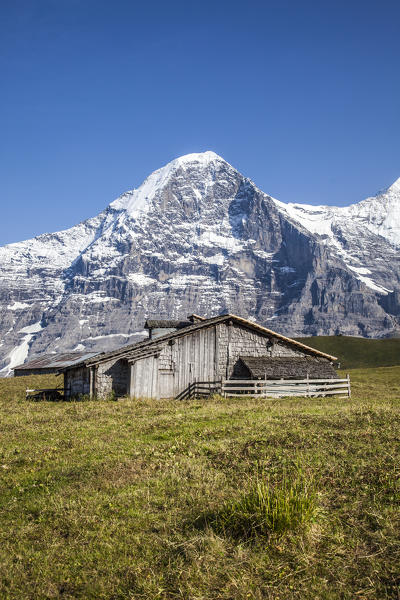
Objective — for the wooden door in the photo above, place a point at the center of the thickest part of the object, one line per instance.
(144, 378)
(166, 383)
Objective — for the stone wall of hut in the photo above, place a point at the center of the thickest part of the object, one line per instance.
(112, 378)
(235, 341)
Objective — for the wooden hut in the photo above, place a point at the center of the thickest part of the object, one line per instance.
(198, 350)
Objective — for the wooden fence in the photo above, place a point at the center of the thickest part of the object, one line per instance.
(271, 388)
(276, 388)
(200, 388)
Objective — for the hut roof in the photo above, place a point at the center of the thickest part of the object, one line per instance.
(288, 367)
(56, 361)
(126, 350)
(166, 323)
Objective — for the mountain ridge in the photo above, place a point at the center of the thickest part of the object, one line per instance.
(198, 236)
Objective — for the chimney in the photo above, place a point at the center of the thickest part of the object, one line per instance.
(195, 318)
(159, 327)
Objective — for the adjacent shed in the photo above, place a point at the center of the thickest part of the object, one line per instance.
(202, 350)
(283, 367)
(51, 363)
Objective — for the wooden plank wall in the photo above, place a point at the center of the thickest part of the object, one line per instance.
(144, 378)
(194, 358)
(166, 383)
(77, 381)
(190, 358)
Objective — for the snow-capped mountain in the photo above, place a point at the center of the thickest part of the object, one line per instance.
(197, 236)
(350, 231)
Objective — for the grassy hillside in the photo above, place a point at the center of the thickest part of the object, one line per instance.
(14, 388)
(354, 352)
(202, 500)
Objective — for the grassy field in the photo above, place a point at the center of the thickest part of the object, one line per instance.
(355, 353)
(202, 500)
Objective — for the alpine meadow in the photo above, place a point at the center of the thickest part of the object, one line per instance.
(205, 499)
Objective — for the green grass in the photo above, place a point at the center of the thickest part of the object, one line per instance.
(14, 388)
(267, 507)
(202, 500)
(354, 352)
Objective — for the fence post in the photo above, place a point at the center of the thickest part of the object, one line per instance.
(308, 386)
(348, 385)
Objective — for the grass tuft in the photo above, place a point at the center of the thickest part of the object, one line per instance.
(269, 508)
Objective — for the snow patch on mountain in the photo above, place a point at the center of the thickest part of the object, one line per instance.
(380, 214)
(343, 228)
(18, 355)
(361, 272)
(18, 306)
(140, 279)
(316, 219)
(35, 328)
(212, 238)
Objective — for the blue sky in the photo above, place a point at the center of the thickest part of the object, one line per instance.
(302, 97)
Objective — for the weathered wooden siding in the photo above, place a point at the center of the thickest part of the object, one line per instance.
(235, 340)
(166, 383)
(189, 358)
(159, 331)
(193, 357)
(76, 381)
(144, 378)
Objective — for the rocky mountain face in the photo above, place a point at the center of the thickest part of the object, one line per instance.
(197, 236)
